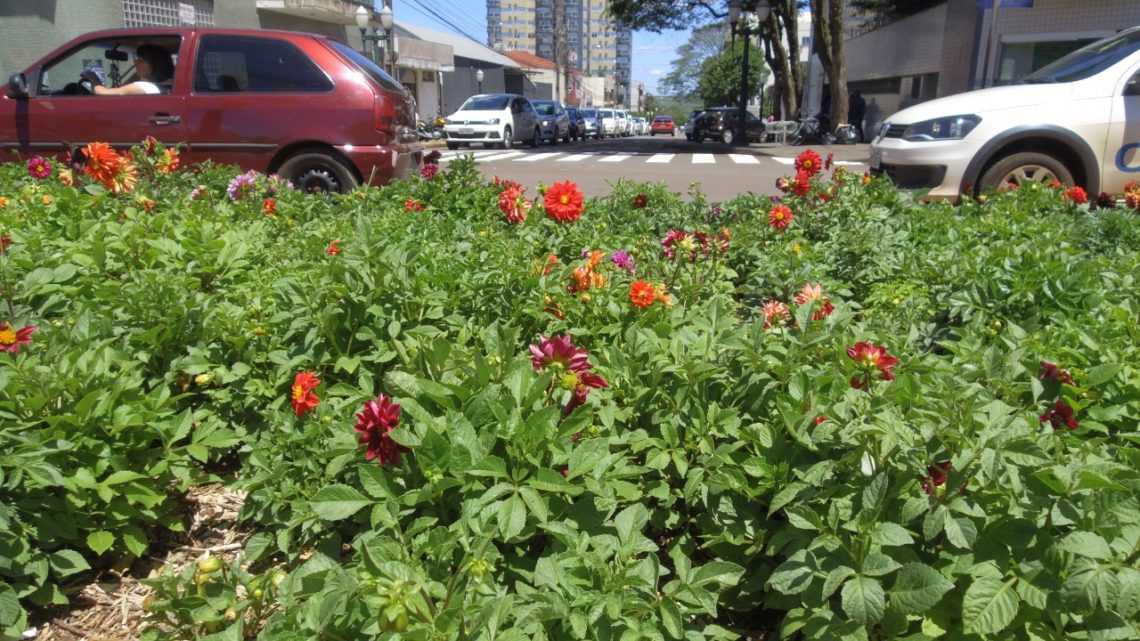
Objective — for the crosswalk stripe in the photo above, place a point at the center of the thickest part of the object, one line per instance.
(616, 158)
(744, 159)
(847, 162)
(451, 155)
(501, 156)
(577, 157)
(784, 161)
(703, 159)
(538, 157)
(661, 158)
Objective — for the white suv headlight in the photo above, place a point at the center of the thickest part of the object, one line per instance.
(949, 128)
(493, 121)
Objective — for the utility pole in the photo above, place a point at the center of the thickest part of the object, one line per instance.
(560, 46)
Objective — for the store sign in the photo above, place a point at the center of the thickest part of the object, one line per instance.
(186, 14)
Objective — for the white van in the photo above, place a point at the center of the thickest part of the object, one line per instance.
(607, 122)
(1074, 121)
(622, 123)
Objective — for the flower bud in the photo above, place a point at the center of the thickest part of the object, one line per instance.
(209, 565)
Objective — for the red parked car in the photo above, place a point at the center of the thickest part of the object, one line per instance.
(663, 125)
(303, 106)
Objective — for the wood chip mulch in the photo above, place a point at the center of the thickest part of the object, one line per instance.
(108, 606)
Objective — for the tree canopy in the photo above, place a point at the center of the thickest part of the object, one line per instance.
(684, 77)
(720, 76)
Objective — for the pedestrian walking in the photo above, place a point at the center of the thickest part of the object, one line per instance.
(856, 109)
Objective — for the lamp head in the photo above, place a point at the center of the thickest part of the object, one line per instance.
(734, 11)
(479, 75)
(386, 18)
(762, 10)
(362, 15)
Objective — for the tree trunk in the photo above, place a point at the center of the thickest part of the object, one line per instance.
(784, 60)
(790, 15)
(827, 35)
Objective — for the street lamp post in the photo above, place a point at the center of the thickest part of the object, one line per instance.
(363, 17)
(760, 10)
(479, 79)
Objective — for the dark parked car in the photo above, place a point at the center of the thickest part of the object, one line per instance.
(719, 123)
(577, 124)
(303, 106)
(554, 124)
(690, 122)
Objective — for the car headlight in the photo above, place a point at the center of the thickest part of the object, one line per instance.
(493, 121)
(545, 123)
(949, 128)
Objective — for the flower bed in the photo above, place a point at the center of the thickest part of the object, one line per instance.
(460, 408)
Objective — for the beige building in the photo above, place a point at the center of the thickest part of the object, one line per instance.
(572, 33)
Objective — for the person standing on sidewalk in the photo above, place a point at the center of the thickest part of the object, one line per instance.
(856, 109)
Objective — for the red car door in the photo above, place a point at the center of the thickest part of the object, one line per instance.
(57, 117)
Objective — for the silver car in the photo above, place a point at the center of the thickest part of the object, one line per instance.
(554, 122)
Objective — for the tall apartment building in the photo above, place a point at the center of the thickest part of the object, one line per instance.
(594, 44)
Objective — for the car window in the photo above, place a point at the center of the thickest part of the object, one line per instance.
(1088, 60)
(113, 60)
(368, 66)
(544, 108)
(256, 65)
(589, 113)
(485, 103)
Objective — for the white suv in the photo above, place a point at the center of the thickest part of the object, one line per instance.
(1073, 121)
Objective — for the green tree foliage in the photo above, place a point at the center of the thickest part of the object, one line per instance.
(720, 76)
(684, 78)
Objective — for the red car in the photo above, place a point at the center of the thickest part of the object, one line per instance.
(662, 125)
(303, 106)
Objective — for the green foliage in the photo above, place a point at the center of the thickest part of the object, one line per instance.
(683, 80)
(720, 75)
(727, 481)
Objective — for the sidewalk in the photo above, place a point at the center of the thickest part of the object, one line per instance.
(860, 152)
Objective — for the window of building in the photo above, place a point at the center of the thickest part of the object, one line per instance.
(168, 13)
(1019, 59)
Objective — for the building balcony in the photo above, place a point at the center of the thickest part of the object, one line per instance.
(330, 11)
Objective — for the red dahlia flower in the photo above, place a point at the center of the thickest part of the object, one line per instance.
(780, 216)
(812, 293)
(1050, 372)
(640, 201)
(775, 313)
(871, 359)
(411, 204)
(427, 172)
(802, 184)
(936, 476)
(169, 162)
(810, 162)
(513, 205)
(559, 351)
(432, 158)
(269, 206)
(303, 398)
(1076, 195)
(39, 167)
(4, 242)
(563, 202)
(333, 248)
(1060, 416)
(827, 163)
(582, 385)
(642, 293)
(102, 162)
(374, 423)
(1105, 200)
(11, 340)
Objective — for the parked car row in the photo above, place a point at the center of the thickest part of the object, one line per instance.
(720, 123)
(502, 119)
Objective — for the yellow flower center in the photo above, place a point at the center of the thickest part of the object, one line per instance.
(808, 164)
(779, 215)
(565, 199)
(7, 336)
(298, 392)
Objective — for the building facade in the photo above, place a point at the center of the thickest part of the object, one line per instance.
(573, 33)
(963, 45)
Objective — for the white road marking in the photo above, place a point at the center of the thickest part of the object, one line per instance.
(538, 157)
(704, 159)
(577, 157)
(616, 158)
(744, 159)
(661, 158)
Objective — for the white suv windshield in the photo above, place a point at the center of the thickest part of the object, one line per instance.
(1088, 60)
(485, 103)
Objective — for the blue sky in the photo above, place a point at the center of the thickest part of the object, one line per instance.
(652, 52)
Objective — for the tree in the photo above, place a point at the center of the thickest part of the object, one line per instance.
(683, 79)
(658, 15)
(827, 34)
(720, 76)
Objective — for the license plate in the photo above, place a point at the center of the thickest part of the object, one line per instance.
(466, 130)
(876, 158)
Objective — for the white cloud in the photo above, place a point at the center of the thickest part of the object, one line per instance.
(656, 72)
(654, 49)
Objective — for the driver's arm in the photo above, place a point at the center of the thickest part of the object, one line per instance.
(131, 89)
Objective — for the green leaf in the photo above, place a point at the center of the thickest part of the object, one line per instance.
(337, 502)
(835, 578)
(671, 618)
(1087, 544)
(1127, 601)
(10, 610)
(891, 534)
(794, 575)
(512, 516)
(722, 572)
(918, 588)
(100, 541)
(1110, 626)
(960, 531)
(878, 564)
(630, 520)
(988, 606)
(67, 562)
(863, 600)
(1101, 374)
